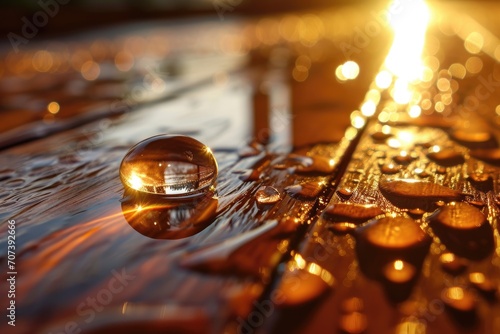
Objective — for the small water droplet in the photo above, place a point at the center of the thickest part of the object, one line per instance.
(412, 194)
(267, 195)
(303, 282)
(353, 323)
(452, 264)
(305, 191)
(399, 272)
(390, 169)
(355, 213)
(463, 229)
(159, 165)
(491, 156)
(486, 286)
(421, 172)
(446, 157)
(404, 158)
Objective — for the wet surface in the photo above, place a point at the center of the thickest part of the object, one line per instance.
(337, 203)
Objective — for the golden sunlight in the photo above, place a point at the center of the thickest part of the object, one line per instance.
(409, 22)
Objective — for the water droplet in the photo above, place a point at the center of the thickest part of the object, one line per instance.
(446, 157)
(412, 194)
(318, 166)
(236, 255)
(452, 264)
(399, 272)
(353, 304)
(267, 195)
(381, 136)
(345, 192)
(404, 158)
(474, 139)
(305, 191)
(422, 173)
(303, 282)
(159, 165)
(486, 286)
(393, 232)
(491, 156)
(460, 216)
(353, 323)
(390, 169)
(459, 299)
(354, 213)
(157, 218)
(464, 230)
(416, 213)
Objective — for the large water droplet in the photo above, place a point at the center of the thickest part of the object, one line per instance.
(412, 194)
(464, 230)
(491, 156)
(393, 233)
(169, 165)
(267, 195)
(355, 213)
(446, 157)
